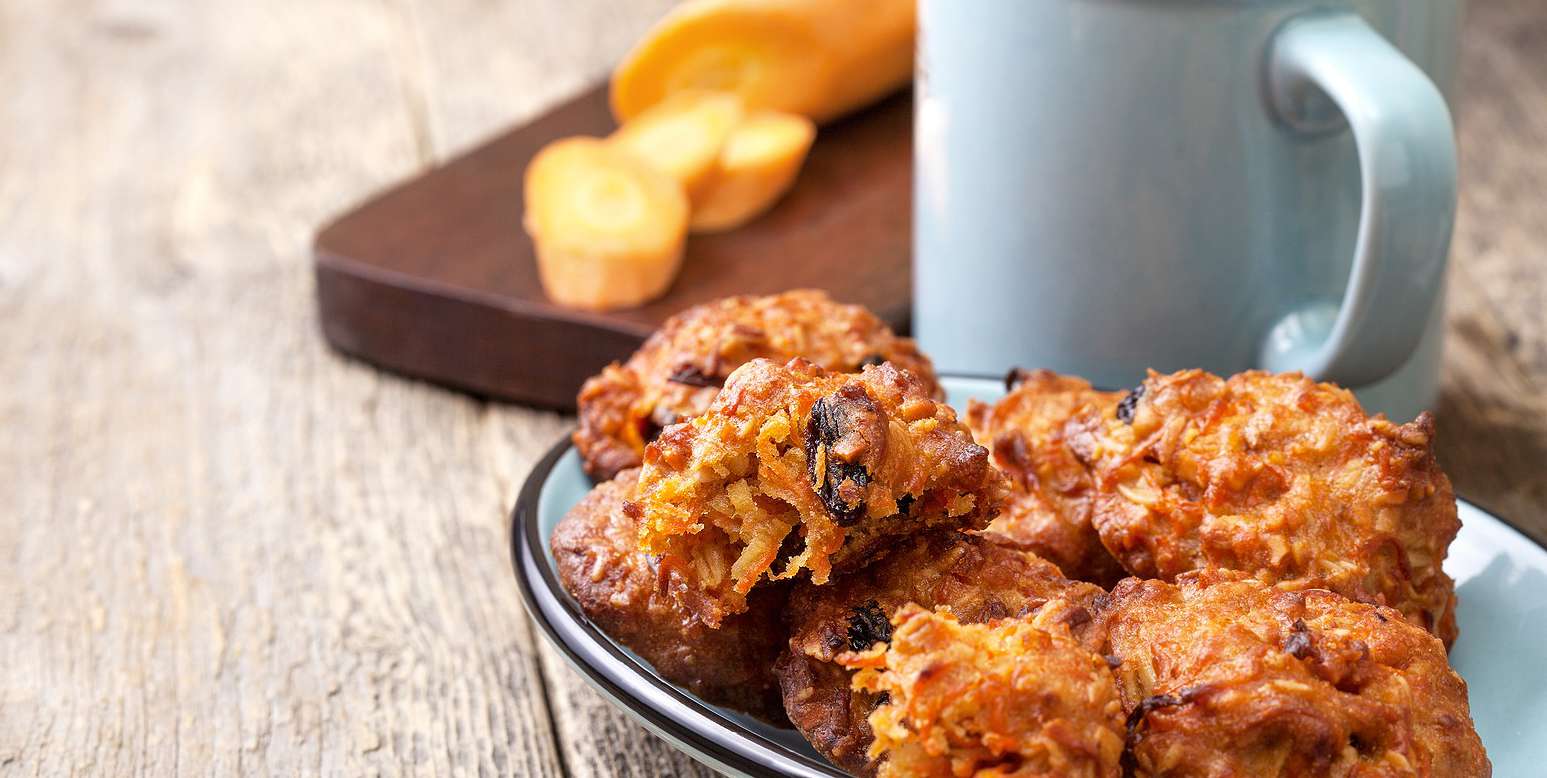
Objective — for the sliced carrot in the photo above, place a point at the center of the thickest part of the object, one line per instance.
(683, 134)
(873, 43)
(818, 58)
(608, 227)
(757, 165)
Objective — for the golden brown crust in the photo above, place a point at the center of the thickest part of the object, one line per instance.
(977, 579)
(1011, 697)
(793, 469)
(628, 597)
(1223, 675)
(1278, 476)
(830, 715)
(678, 370)
(1049, 509)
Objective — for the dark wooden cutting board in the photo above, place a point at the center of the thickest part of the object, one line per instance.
(435, 278)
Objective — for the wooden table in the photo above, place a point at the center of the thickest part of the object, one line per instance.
(230, 551)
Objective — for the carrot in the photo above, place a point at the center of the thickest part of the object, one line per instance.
(756, 166)
(608, 228)
(682, 135)
(818, 58)
(873, 41)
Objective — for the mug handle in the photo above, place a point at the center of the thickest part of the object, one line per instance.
(1407, 168)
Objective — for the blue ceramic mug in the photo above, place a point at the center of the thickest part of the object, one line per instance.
(1103, 186)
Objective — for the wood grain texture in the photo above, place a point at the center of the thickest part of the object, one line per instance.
(228, 551)
(215, 564)
(1493, 411)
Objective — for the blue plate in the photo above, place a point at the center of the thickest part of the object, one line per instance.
(1501, 578)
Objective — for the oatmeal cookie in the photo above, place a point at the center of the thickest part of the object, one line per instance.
(976, 579)
(625, 593)
(1224, 675)
(796, 470)
(1277, 476)
(1050, 489)
(678, 370)
(1012, 697)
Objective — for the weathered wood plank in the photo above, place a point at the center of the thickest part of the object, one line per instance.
(486, 65)
(240, 554)
(598, 740)
(1493, 415)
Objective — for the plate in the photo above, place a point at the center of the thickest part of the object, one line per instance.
(1502, 653)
